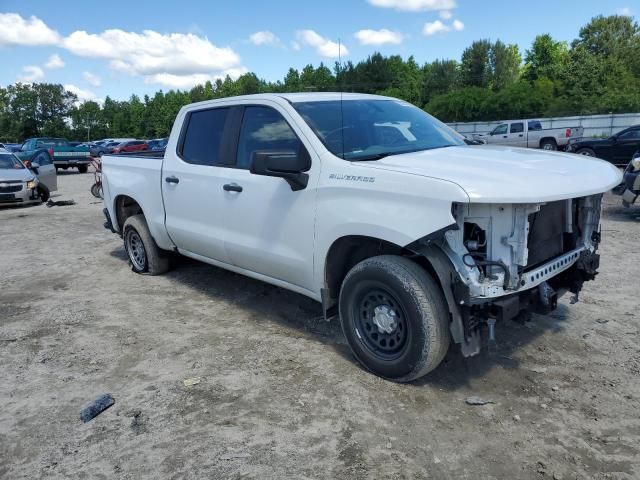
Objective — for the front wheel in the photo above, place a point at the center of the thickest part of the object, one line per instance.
(144, 255)
(83, 168)
(394, 317)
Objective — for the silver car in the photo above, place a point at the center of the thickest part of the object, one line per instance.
(18, 184)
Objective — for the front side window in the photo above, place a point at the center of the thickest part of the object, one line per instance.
(202, 140)
(373, 129)
(264, 129)
(517, 127)
(500, 130)
(10, 162)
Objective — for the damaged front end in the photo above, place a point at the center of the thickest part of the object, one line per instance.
(508, 260)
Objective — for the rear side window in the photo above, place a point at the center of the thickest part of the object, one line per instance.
(517, 127)
(202, 138)
(534, 125)
(264, 129)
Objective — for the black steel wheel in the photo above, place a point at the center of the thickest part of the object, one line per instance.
(394, 317)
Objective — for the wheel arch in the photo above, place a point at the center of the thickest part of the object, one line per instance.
(124, 207)
(547, 139)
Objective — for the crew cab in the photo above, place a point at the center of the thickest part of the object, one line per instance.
(617, 149)
(529, 133)
(370, 206)
(63, 153)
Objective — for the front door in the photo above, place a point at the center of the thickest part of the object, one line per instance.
(499, 135)
(270, 228)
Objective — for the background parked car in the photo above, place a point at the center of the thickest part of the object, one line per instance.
(10, 147)
(529, 133)
(630, 186)
(64, 154)
(131, 146)
(18, 184)
(97, 150)
(158, 144)
(617, 149)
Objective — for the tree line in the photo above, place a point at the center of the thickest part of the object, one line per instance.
(598, 72)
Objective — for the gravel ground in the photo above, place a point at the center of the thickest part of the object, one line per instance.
(280, 395)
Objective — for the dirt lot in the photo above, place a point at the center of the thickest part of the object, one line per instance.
(280, 394)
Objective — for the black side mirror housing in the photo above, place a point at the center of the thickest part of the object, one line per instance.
(285, 164)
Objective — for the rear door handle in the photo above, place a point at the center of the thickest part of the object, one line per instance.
(172, 179)
(232, 187)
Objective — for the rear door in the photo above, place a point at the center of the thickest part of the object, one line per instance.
(270, 228)
(192, 183)
(627, 143)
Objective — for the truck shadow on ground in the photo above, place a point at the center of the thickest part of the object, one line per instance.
(300, 315)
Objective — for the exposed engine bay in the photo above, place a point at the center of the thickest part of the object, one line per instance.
(515, 259)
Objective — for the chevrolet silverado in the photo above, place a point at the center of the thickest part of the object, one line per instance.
(370, 206)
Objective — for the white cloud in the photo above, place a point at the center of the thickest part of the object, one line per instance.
(15, 30)
(625, 12)
(415, 5)
(431, 28)
(264, 37)
(295, 46)
(54, 62)
(379, 37)
(190, 81)
(31, 73)
(83, 95)
(446, 14)
(92, 79)
(324, 47)
(150, 52)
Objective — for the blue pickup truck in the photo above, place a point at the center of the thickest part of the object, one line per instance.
(64, 154)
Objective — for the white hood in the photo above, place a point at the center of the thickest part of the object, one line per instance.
(494, 174)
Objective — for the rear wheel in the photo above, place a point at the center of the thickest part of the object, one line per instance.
(83, 168)
(144, 255)
(394, 317)
(549, 144)
(586, 152)
(96, 190)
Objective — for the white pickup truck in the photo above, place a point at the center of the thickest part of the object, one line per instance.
(370, 206)
(529, 133)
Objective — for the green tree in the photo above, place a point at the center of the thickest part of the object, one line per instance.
(546, 58)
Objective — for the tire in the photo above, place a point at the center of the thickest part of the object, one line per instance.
(144, 255)
(96, 190)
(44, 193)
(416, 339)
(83, 168)
(586, 152)
(549, 144)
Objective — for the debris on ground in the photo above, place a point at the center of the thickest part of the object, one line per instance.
(477, 401)
(138, 422)
(97, 407)
(60, 203)
(233, 456)
(189, 382)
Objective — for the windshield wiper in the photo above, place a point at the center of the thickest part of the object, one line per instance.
(377, 156)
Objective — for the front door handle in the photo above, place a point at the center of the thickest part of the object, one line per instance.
(232, 187)
(172, 179)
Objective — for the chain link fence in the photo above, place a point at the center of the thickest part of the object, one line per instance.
(594, 125)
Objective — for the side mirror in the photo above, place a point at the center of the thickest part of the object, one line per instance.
(35, 165)
(289, 165)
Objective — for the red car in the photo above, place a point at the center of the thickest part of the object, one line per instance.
(131, 146)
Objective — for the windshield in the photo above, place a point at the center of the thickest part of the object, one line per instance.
(10, 162)
(373, 129)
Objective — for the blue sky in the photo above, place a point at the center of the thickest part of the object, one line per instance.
(118, 47)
